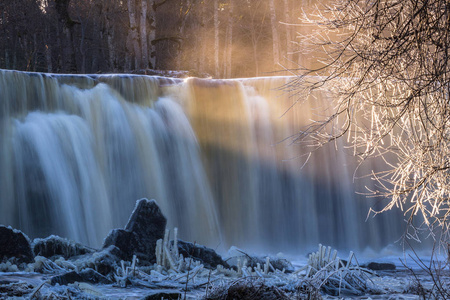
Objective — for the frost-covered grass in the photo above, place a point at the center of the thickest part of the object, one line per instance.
(324, 276)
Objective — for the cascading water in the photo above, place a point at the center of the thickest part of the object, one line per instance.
(78, 151)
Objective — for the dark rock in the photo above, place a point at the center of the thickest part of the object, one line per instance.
(282, 264)
(145, 226)
(248, 289)
(90, 275)
(147, 220)
(87, 275)
(127, 243)
(380, 266)
(14, 243)
(163, 295)
(253, 261)
(55, 245)
(207, 256)
(15, 289)
(104, 261)
(64, 279)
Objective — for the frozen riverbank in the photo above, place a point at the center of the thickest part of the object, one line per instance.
(146, 260)
(392, 284)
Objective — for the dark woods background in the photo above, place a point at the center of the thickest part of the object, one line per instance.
(222, 38)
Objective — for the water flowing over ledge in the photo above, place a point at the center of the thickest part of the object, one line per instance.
(78, 150)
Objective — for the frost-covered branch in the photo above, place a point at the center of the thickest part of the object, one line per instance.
(386, 62)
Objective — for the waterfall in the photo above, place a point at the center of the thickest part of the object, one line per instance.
(77, 151)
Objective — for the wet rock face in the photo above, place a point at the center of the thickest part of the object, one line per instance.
(14, 243)
(207, 256)
(57, 246)
(145, 226)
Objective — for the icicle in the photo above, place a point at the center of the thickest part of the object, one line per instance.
(195, 271)
(328, 254)
(159, 268)
(181, 263)
(228, 272)
(159, 252)
(165, 242)
(266, 266)
(258, 267)
(169, 259)
(350, 257)
(333, 258)
(175, 242)
(239, 266)
(124, 271)
(133, 265)
(258, 270)
(308, 271)
(320, 256)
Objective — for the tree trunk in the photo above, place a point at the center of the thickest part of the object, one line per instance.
(62, 8)
(128, 52)
(14, 61)
(288, 34)
(48, 58)
(35, 52)
(152, 34)
(185, 9)
(301, 59)
(216, 38)
(110, 37)
(6, 59)
(143, 28)
(134, 34)
(82, 49)
(224, 54)
(275, 39)
(202, 39)
(229, 40)
(255, 58)
(69, 53)
(59, 66)
(98, 33)
(23, 41)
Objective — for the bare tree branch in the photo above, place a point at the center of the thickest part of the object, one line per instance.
(386, 62)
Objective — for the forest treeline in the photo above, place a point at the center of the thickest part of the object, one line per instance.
(222, 38)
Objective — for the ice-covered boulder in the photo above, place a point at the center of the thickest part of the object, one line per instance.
(207, 256)
(14, 243)
(145, 226)
(58, 246)
(104, 261)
